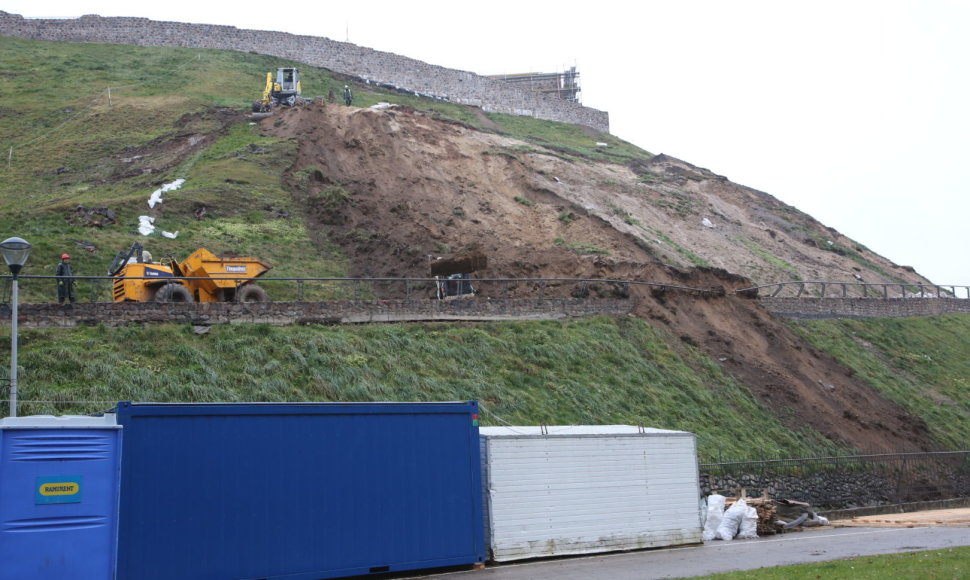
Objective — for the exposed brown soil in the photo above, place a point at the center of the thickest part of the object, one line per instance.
(192, 133)
(417, 188)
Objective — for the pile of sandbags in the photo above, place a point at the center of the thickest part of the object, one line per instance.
(715, 511)
(739, 521)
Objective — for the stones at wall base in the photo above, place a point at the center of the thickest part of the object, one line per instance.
(327, 313)
(841, 489)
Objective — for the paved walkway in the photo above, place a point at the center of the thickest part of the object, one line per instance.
(714, 557)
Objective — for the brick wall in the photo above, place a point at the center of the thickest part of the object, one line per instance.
(342, 57)
(330, 312)
(864, 307)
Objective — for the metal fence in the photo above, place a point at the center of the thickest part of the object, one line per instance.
(848, 481)
(98, 288)
(821, 289)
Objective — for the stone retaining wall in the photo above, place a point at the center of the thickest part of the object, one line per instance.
(846, 482)
(820, 490)
(864, 307)
(370, 65)
(330, 312)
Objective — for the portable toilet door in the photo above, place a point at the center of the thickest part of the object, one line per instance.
(59, 484)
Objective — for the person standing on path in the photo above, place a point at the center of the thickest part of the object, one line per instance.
(65, 280)
(348, 96)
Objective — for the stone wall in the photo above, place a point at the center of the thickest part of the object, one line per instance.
(844, 489)
(846, 482)
(359, 311)
(370, 65)
(329, 312)
(840, 491)
(864, 307)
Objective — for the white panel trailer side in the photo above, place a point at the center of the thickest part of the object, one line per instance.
(553, 491)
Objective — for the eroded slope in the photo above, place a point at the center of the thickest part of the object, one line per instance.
(393, 187)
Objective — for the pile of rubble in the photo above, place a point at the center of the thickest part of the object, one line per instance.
(742, 517)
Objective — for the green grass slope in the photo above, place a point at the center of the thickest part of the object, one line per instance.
(920, 363)
(597, 371)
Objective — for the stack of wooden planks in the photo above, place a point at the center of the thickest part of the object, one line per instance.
(766, 508)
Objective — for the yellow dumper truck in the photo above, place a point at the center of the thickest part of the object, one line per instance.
(202, 277)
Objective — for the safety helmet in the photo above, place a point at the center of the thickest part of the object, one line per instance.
(65, 256)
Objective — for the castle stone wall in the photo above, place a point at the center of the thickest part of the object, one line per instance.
(370, 65)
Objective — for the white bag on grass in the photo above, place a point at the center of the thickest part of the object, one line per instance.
(715, 510)
(731, 521)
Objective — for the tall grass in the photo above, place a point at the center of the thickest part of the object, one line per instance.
(597, 371)
(920, 363)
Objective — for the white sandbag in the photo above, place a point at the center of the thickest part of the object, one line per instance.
(731, 521)
(749, 525)
(715, 510)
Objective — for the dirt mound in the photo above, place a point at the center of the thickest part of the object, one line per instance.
(420, 187)
(802, 385)
(396, 188)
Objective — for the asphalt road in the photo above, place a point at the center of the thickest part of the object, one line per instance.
(718, 556)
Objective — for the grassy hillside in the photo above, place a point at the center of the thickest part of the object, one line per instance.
(920, 363)
(114, 123)
(180, 113)
(600, 371)
(83, 144)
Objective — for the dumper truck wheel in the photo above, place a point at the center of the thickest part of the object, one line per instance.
(173, 293)
(252, 293)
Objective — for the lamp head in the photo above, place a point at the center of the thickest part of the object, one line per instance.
(15, 252)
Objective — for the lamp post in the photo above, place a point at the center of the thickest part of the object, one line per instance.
(15, 252)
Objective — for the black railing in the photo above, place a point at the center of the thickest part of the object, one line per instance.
(98, 288)
(823, 289)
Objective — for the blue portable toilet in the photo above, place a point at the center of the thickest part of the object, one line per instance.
(59, 489)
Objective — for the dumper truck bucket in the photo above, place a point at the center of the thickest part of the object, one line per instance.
(214, 273)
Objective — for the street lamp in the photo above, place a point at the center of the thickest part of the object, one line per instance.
(15, 252)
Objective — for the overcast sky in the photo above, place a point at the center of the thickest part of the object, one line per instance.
(856, 112)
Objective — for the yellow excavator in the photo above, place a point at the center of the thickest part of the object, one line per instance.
(285, 90)
(202, 277)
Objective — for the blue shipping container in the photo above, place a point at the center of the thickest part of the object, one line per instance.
(297, 491)
(59, 481)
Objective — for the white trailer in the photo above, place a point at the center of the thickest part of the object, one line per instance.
(558, 490)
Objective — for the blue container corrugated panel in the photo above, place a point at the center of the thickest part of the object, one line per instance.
(59, 483)
(297, 491)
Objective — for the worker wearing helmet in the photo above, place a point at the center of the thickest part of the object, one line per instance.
(65, 280)
(348, 96)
